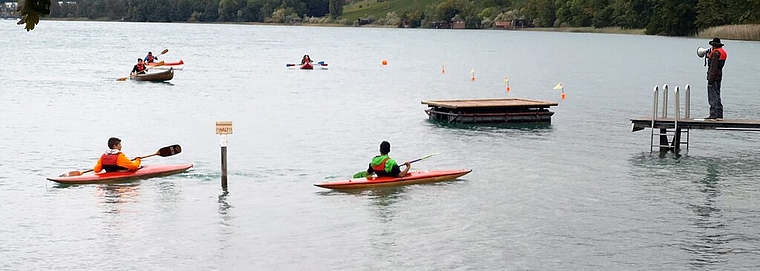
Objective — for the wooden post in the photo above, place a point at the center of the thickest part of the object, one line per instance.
(224, 128)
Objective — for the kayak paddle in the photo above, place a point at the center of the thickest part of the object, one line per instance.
(363, 174)
(163, 152)
(321, 63)
(146, 68)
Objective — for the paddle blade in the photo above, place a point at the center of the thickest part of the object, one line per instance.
(169, 150)
(74, 173)
(165, 51)
(121, 79)
(289, 65)
(323, 64)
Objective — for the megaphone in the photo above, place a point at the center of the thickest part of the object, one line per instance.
(701, 52)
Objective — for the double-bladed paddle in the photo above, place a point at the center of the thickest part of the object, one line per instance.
(161, 63)
(163, 152)
(321, 63)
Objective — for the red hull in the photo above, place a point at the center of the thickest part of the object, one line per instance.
(167, 63)
(145, 172)
(413, 177)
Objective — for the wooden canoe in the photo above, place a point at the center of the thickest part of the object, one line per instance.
(155, 77)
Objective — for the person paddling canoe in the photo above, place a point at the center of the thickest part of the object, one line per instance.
(114, 160)
(383, 165)
(139, 68)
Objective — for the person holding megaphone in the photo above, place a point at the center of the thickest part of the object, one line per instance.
(716, 59)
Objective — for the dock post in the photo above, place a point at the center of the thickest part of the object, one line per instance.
(677, 136)
(654, 115)
(224, 128)
(687, 100)
(665, 100)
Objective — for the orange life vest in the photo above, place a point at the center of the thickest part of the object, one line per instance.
(721, 59)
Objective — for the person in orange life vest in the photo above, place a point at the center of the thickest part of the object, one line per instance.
(150, 58)
(306, 59)
(716, 59)
(114, 160)
(384, 166)
(139, 68)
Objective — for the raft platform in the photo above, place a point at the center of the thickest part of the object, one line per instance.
(673, 132)
(502, 110)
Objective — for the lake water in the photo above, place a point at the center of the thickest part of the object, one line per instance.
(581, 194)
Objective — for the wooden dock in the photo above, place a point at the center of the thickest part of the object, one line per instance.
(671, 131)
(503, 110)
(639, 124)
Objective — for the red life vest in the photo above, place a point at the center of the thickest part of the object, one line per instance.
(140, 68)
(723, 54)
(381, 166)
(721, 59)
(150, 58)
(108, 162)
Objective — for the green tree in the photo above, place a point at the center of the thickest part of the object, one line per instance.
(336, 8)
(673, 18)
(540, 12)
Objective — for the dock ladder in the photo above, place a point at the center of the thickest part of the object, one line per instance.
(676, 132)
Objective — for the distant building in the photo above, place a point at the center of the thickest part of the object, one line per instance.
(458, 22)
(360, 22)
(513, 24)
(440, 25)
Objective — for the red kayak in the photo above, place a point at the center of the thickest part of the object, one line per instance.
(307, 66)
(176, 63)
(413, 177)
(147, 171)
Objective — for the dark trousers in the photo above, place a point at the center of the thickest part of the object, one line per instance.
(713, 98)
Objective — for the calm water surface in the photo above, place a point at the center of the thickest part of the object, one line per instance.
(581, 194)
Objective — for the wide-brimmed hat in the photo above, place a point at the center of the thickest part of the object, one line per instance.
(716, 41)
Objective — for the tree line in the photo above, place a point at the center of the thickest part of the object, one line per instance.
(658, 17)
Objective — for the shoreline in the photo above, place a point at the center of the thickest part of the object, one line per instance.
(747, 32)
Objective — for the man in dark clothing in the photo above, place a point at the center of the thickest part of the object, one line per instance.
(716, 59)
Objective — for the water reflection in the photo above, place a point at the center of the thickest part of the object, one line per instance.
(115, 195)
(382, 199)
(694, 183)
(708, 246)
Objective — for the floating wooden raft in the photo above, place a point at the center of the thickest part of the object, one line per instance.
(504, 110)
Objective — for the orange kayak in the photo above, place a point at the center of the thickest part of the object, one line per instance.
(147, 171)
(413, 177)
(176, 63)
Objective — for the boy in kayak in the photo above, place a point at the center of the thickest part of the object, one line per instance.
(384, 166)
(114, 160)
(150, 58)
(139, 68)
(306, 59)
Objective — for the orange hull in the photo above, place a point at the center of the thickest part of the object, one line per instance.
(414, 177)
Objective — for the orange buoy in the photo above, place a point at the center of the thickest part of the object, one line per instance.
(563, 95)
(385, 62)
(443, 69)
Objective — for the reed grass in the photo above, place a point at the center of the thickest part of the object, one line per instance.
(732, 32)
